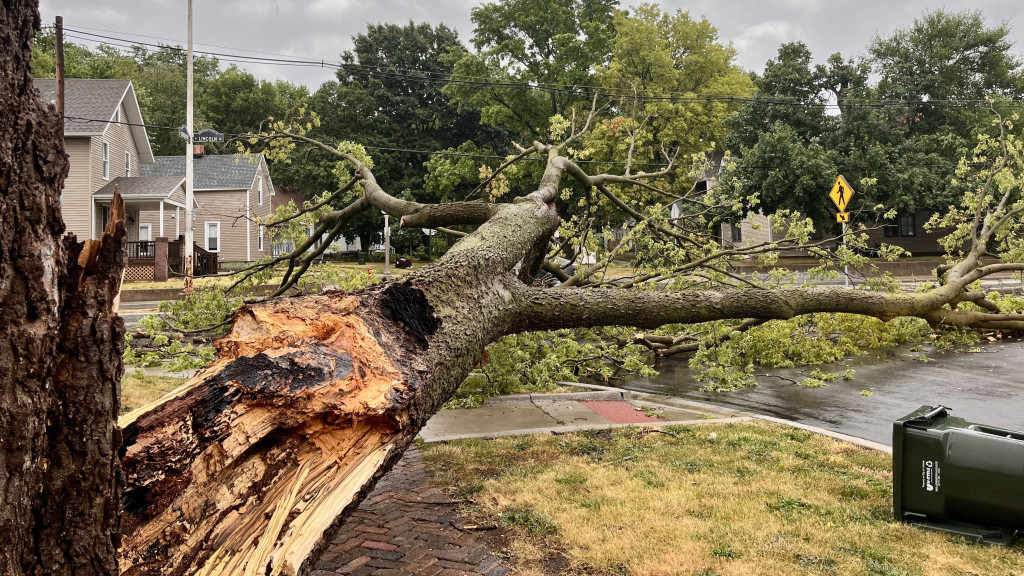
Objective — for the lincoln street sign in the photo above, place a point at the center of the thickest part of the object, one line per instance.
(208, 135)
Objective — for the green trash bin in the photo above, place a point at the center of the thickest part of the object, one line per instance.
(959, 477)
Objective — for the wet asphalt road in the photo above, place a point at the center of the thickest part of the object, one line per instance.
(986, 387)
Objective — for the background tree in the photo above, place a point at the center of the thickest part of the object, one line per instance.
(388, 95)
(902, 136)
(943, 66)
(235, 102)
(522, 44)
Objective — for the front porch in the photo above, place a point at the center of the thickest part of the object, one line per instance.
(150, 256)
(156, 260)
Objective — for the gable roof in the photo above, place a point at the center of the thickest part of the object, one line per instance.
(91, 103)
(215, 172)
(135, 187)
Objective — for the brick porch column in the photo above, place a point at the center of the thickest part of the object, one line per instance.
(160, 260)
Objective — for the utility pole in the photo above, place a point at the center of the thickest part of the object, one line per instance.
(190, 216)
(60, 66)
(387, 246)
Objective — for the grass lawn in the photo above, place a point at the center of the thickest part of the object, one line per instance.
(729, 500)
(138, 389)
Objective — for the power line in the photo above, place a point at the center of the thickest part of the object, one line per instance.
(581, 90)
(485, 156)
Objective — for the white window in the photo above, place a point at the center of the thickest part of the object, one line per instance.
(146, 250)
(106, 161)
(260, 197)
(259, 239)
(213, 236)
(128, 164)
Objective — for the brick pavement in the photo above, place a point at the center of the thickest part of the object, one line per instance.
(407, 526)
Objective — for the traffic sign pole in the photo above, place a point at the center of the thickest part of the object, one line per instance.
(841, 194)
(846, 268)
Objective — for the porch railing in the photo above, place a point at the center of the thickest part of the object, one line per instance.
(206, 263)
(140, 250)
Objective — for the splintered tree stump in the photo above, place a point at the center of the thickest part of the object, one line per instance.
(244, 469)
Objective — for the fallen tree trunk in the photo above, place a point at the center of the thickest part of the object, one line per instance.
(247, 469)
(242, 470)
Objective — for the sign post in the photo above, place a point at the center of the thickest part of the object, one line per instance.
(841, 194)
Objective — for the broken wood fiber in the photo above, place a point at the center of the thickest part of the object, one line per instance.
(246, 467)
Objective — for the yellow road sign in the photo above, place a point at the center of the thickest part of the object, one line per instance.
(843, 217)
(841, 194)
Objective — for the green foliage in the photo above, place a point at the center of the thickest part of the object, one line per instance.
(726, 551)
(944, 64)
(817, 379)
(531, 42)
(804, 340)
(537, 361)
(993, 180)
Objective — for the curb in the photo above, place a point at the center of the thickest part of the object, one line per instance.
(561, 396)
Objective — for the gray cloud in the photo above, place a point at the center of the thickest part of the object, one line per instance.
(322, 29)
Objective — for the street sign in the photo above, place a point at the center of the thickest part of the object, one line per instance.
(843, 217)
(841, 193)
(208, 135)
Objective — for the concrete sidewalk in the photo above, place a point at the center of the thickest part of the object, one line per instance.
(593, 408)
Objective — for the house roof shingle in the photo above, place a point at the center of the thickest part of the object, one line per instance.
(93, 98)
(215, 172)
(136, 187)
(90, 104)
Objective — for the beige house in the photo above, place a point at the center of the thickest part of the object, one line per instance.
(231, 192)
(107, 145)
(106, 141)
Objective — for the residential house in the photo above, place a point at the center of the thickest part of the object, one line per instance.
(232, 193)
(106, 143)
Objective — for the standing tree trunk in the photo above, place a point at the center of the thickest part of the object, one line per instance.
(60, 344)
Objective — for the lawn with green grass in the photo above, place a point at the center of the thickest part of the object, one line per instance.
(139, 389)
(730, 500)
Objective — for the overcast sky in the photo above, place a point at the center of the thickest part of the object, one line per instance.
(322, 29)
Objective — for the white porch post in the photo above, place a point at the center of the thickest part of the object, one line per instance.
(177, 222)
(161, 218)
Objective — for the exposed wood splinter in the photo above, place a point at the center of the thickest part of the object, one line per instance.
(243, 469)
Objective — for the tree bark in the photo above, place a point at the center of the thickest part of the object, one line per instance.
(60, 344)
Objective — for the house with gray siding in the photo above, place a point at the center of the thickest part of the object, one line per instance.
(232, 193)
